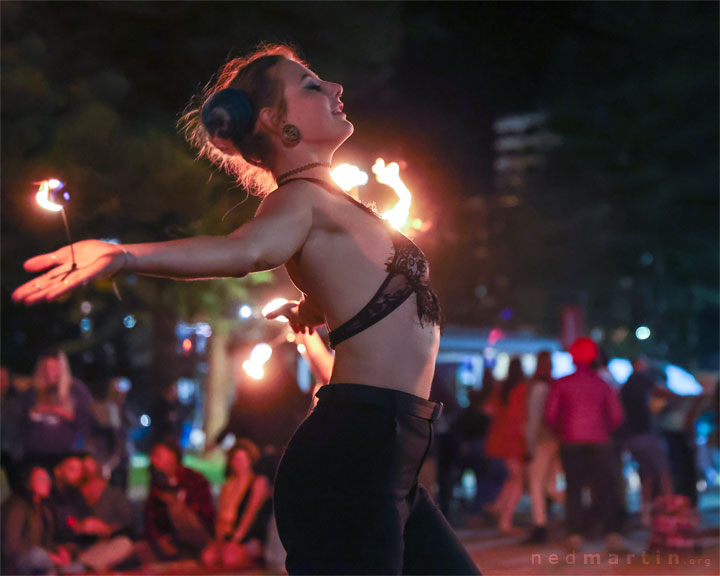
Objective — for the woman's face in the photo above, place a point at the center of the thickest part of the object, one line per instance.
(72, 471)
(91, 467)
(40, 482)
(313, 105)
(240, 463)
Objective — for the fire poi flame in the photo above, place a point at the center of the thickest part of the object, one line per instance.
(389, 174)
(259, 356)
(51, 187)
(348, 176)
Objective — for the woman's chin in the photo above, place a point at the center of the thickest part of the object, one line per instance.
(349, 129)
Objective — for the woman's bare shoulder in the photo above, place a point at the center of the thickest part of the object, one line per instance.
(298, 191)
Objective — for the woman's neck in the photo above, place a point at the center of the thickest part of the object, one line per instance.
(302, 164)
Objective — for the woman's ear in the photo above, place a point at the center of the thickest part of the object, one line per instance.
(270, 120)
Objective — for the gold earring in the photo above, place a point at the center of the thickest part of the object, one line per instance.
(290, 134)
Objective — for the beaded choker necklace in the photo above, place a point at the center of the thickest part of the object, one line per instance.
(286, 175)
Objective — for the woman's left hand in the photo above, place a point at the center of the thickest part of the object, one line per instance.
(94, 260)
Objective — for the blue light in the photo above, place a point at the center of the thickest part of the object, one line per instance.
(86, 324)
(186, 389)
(620, 368)
(129, 321)
(506, 314)
(145, 420)
(681, 382)
(562, 364)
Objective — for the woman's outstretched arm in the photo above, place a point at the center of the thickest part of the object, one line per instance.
(277, 232)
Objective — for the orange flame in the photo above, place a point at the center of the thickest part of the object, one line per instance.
(389, 174)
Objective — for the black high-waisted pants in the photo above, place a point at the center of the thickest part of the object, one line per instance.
(347, 499)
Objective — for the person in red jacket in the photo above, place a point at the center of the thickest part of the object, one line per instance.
(583, 410)
(506, 440)
(179, 513)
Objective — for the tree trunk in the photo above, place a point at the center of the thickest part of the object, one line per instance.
(218, 385)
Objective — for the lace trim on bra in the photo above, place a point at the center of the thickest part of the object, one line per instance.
(408, 273)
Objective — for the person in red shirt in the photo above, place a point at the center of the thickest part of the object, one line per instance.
(506, 440)
(179, 514)
(583, 410)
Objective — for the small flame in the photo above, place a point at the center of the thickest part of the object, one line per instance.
(274, 305)
(43, 194)
(259, 356)
(348, 176)
(390, 175)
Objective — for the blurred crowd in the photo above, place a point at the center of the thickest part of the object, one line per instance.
(66, 468)
(66, 463)
(567, 441)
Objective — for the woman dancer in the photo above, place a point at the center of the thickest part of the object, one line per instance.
(347, 498)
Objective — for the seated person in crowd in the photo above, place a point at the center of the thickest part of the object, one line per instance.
(243, 513)
(66, 499)
(92, 540)
(28, 545)
(91, 467)
(108, 504)
(179, 511)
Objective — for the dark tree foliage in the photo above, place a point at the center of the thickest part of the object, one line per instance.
(92, 91)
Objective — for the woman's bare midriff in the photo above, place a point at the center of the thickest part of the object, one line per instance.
(341, 266)
(395, 353)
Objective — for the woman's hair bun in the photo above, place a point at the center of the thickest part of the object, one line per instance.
(227, 115)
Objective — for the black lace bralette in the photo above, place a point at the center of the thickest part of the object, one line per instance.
(408, 273)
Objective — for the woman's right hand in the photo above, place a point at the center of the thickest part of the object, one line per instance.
(94, 260)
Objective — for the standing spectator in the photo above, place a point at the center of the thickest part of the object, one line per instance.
(677, 422)
(179, 510)
(56, 409)
(28, 528)
(10, 422)
(602, 365)
(469, 431)
(112, 425)
(642, 436)
(542, 449)
(506, 440)
(244, 510)
(583, 411)
(167, 415)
